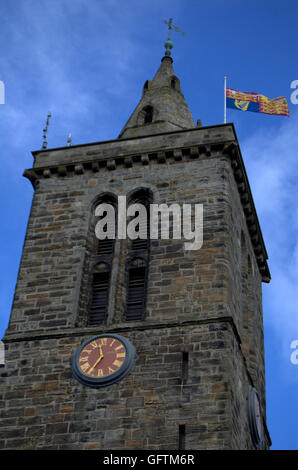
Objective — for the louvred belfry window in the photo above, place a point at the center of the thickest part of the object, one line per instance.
(105, 247)
(136, 290)
(143, 243)
(143, 197)
(100, 293)
(102, 253)
(137, 267)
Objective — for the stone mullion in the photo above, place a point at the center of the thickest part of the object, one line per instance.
(113, 284)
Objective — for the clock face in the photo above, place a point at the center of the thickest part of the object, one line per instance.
(255, 417)
(103, 360)
(258, 417)
(102, 356)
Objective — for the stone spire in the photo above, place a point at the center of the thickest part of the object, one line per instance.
(162, 107)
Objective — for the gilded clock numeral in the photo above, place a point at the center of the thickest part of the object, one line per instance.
(119, 347)
(83, 358)
(113, 341)
(103, 341)
(110, 370)
(117, 363)
(100, 373)
(85, 366)
(122, 354)
(94, 344)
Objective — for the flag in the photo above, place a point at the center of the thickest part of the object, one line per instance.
(257, 103)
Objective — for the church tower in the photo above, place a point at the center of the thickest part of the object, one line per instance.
(139, 343)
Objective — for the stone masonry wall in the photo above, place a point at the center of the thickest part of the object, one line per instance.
(181, 283)
(194, 304)
(44, 407)
(246, 281)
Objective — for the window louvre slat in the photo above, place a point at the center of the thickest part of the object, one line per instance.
(105, 247)
(135, 306)
(99, 301)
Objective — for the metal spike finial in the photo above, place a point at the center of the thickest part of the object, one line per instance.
(69, 139)
(45, 130)
(169, 44)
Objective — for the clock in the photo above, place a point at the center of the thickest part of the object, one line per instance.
(255, 417)
(103, 360)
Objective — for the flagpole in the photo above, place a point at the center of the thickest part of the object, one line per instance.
(225, 100)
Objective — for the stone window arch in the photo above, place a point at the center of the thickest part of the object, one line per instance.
(96, 297)
(146, 115)
(144, 197)
(175, 83)
(106, 246)
(137, 265)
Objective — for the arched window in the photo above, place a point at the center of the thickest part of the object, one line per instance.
(101, 258)
(106, 210)
(148, 114)
(139, 255)
(100, 292)
(175, 83)
(144, 198)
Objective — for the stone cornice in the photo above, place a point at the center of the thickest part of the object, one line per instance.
(134, 145)
(233, 151)
(114, 328)
(212, 142)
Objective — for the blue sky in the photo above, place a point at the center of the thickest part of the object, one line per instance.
(86, 61)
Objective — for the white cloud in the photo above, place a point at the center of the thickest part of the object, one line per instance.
(272, 167)
(74, 59)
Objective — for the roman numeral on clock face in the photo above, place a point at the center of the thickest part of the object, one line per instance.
(83, 359)
(85, 366)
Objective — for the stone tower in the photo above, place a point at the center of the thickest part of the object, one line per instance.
(193, 317)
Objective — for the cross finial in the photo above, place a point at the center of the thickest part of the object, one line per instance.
(169, 44)
(69, 139)
(44, 143)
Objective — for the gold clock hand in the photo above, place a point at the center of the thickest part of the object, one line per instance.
(95, 364)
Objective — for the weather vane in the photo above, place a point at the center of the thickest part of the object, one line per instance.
(169, 44)
(44, 143)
